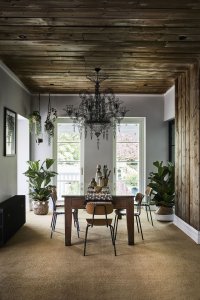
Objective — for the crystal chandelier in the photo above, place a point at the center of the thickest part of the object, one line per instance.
(97, 112)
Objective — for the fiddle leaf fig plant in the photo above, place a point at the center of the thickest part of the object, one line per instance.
(162, 183)
(40, 178)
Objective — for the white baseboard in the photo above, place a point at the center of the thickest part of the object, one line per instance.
(187, 229)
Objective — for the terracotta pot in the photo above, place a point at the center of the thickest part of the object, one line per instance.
(40, 207)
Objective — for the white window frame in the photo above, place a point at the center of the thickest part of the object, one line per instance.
(82, 144)
(142, 151)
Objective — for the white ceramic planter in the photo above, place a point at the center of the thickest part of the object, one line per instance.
(164, 218)
(165, 214)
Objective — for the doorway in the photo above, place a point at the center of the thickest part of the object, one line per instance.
(23, 155)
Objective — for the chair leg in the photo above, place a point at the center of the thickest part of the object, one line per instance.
(86, 232)
(52, 220)
(113, 237)
(150, 214)
(76, 222)
(115, 226)
(75, 216)
(53, 223)
(55, 219)
(147, 212)
(137, 224)
(77, 228)
(138, 217)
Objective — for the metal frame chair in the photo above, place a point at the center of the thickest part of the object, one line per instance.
(99, 208)
(59, 209)
(147, 203)
(122, 212)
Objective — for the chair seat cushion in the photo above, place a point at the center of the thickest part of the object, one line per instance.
(60, 205)
(99, 222)
(120, 212)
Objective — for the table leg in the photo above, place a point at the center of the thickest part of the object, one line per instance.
(130, 221)
(68, 222)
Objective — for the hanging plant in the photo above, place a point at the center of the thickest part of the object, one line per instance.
(49, 123)
(35, 122)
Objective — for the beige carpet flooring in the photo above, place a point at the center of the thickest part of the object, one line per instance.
(166, 265)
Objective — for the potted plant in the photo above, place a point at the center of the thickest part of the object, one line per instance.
(49, 124)
(35, 122)
(162, 183)
(39, 180)
(50, 120)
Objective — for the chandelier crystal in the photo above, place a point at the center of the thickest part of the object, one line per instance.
(97, 112)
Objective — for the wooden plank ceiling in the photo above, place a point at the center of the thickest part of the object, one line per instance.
(143, 45)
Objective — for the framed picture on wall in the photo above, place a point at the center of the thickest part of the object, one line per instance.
(9, 132)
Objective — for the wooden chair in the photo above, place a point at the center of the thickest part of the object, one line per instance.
(122, 212)
(59, 209)
(99, 208)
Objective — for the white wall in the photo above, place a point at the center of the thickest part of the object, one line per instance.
(16, 98)
(149, 106)
(169, 104)
(93, 156)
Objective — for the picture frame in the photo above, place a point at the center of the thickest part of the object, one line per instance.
(9, 132)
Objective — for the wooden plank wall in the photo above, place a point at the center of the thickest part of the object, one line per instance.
(187, 171)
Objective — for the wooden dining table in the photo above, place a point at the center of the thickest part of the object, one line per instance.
(78, 202)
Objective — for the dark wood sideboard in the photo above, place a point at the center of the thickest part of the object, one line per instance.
(12, 217)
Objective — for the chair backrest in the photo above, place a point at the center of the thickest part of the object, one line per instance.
(138, 199)
(54, 196)
(99, 208)
(148, 191)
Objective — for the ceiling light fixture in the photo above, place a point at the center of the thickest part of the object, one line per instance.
(97, 112)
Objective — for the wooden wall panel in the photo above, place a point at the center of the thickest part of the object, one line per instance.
(194, 147)
(178, 157)
(183, 145)
(177, 126)
(187, 147)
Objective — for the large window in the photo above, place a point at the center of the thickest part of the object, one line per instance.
(129, 158)
(68, 156)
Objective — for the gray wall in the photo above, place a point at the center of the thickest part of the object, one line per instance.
(151, 107)
(14, 97)
(169, 104)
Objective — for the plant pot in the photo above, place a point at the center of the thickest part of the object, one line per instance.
(134, 191)
(40, 207)
(165, 214)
